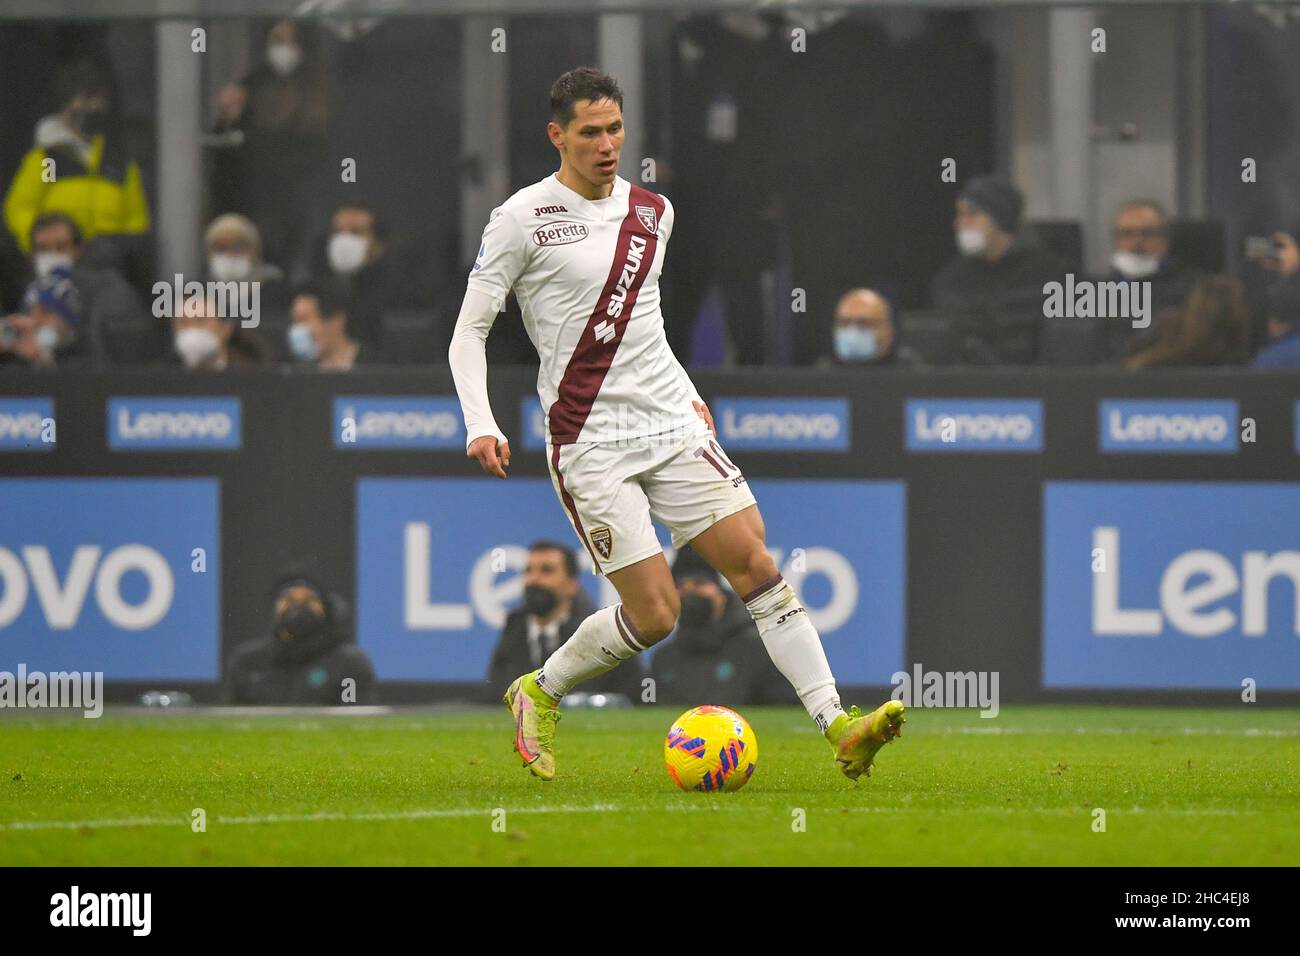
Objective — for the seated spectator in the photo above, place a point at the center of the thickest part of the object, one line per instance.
(865, 335)
(715, 656)
(1211, 329)
(356, 253)
(1283, 349)
(96, 181)
(994, 288)
(554, 605)
(308, 659)
(209, 342)
(234, 254)
(1141, 234)
(121, 330)
(48, 333)
(320, 329)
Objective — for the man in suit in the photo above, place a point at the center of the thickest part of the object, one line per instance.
(553, 607)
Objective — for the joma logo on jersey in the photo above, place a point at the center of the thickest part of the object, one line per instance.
(559, 233)
(548, 210)
(635, 250)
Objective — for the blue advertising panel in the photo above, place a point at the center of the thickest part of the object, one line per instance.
(26, 424)
(153, 422)
(439, 562)
(1163, 584)
(780, 423)
(106, 574)
(397, 422)
(1167, 425)
(973, 425)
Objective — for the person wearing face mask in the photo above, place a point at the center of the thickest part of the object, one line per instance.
(97, 183)
(994, 286)
(204, 341)
(319, 330)
(118, 330)
(1141, 254)
(355, 254)
(275, 122)
(715, 656)
(554, 604)
(308, 659)
(48, 333)
(864, 334)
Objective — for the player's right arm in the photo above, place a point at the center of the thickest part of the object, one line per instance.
(500, 262)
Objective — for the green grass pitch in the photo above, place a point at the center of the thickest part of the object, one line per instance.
(1179, 787)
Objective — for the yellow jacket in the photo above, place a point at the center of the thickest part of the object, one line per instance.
(97, 204)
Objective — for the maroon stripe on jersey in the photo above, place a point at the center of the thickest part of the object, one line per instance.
(634, 254)
(572, 508)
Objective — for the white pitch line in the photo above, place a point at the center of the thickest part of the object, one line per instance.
(327, 816)
(324, 816)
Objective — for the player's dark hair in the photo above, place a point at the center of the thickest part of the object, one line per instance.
(584, 83)
(570, 559)
(331, 295)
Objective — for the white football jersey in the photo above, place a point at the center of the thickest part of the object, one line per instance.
(586, 275)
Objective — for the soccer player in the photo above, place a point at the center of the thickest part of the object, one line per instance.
(629, 439)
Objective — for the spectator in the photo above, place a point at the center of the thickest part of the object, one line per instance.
(308, 659)
(118, 328)
(1283, 349)
(95, 182)
(1211, 329)
(554, 605)
(716, 655)
(356, 253)
(994, 288)
(865, 334)
(279, 113)
(48, 332)
(207, 341)
(319, 330)
(234, 254)
(1141, 234)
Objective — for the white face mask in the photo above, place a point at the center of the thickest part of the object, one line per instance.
(283, 57)
(347, 252)
(196, 346)
(225, 267)
(47, 338)
(972, 241)
(302, 343)
(1134, 265)
(46, 262)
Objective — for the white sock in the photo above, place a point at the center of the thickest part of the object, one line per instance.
(605, 639)
(795, 648)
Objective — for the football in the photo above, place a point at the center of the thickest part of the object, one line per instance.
(711, 748)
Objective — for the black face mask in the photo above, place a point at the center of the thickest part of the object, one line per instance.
(299, 622)
(539, 601)
(697, 610)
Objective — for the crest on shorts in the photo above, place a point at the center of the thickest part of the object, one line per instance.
(648, 217)
(603, 541)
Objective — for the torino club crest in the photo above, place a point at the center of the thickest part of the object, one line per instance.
(648, 218)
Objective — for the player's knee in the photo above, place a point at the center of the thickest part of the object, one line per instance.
(658, 617)
(757, 569)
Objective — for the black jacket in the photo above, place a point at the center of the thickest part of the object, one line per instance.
(513, 657)
(723, 663)
(998, 306)
(308, 672)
